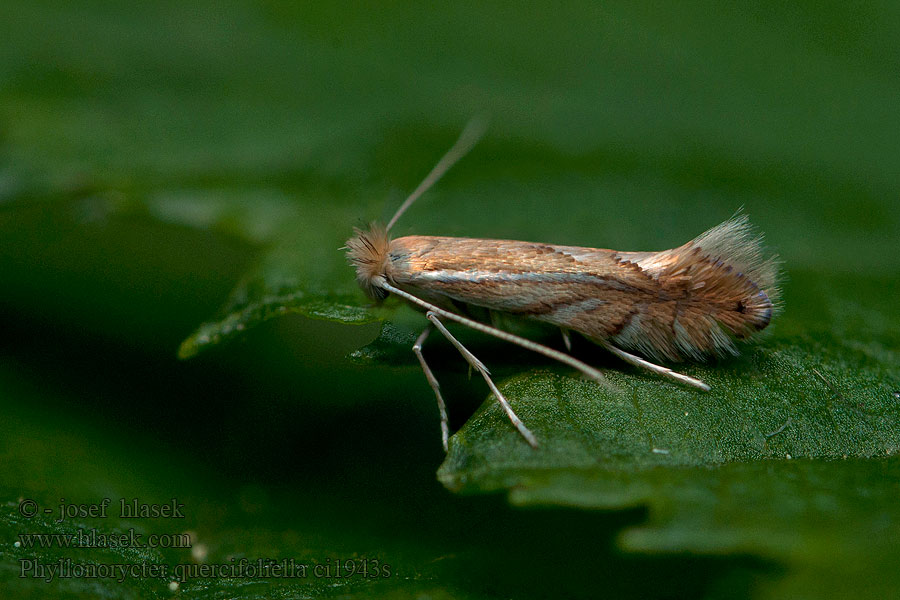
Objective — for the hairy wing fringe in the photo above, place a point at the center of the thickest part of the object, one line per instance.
(724, 286)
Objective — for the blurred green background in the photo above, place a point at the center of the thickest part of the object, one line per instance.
(162, 160)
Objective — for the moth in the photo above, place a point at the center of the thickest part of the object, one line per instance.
(690, 302)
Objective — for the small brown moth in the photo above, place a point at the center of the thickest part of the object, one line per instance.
(688, 302)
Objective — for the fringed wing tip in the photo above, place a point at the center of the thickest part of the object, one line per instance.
(728, 285)
(737, 243)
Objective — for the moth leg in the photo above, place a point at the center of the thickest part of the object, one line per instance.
(433, 382)
(566, 339)
(479, 366)
(562, 357)
(658, 369)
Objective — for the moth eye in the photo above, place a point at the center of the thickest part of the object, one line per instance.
(740, 307)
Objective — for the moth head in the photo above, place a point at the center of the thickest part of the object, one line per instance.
(367, 252)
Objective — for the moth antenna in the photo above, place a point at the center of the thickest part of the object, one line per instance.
(473, 132)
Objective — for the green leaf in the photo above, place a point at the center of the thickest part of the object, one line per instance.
(52, 458)
(791, 456)
(302, 273)
(138, 142)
